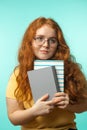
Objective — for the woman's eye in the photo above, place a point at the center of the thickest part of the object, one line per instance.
(40, 38)
(53, 40)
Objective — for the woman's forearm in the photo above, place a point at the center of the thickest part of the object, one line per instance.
(21, 117)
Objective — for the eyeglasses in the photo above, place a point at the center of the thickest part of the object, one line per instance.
(40, 40)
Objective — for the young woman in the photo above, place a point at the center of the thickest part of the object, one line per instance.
(44, 40)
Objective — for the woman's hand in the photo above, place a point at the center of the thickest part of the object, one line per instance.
(42, 106)
(61, 100)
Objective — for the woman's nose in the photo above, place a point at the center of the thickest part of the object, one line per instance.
(46, 43)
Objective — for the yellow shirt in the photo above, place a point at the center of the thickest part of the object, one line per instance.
(58, 119)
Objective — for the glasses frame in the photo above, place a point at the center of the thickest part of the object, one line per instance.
(40, 40)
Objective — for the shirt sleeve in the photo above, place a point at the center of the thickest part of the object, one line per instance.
(12, 85)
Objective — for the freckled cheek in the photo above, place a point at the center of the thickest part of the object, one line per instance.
(35, 50)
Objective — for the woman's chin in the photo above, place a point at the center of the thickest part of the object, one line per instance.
(42, 58)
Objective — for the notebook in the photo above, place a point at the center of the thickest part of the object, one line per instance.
(43, 81)
(59, 65)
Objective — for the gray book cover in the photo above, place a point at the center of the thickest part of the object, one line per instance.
(43, 81)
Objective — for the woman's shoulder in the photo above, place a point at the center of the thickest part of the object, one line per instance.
(16, 71)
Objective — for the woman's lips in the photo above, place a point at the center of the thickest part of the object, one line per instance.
(44, 51)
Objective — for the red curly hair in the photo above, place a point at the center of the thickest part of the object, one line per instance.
(75, 82)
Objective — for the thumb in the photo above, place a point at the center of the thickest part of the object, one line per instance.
(44, 97)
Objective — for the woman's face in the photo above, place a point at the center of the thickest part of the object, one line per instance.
(45, 43)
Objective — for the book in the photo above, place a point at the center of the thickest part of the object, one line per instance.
(43, 81)
(59, 65)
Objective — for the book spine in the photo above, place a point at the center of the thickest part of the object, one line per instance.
(55, 78)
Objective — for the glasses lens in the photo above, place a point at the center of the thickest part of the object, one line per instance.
(41, 40)
(52, 40)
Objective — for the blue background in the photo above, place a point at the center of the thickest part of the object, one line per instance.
(14, 19)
